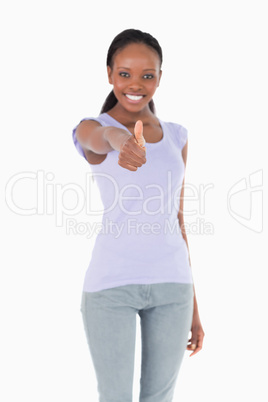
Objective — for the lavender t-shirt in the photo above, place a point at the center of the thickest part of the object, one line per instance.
(140, 240)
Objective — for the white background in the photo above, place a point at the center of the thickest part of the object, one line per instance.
(214, 83)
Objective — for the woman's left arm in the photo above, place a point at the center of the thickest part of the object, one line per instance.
(196, 340)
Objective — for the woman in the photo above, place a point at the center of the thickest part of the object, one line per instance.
(140, 263)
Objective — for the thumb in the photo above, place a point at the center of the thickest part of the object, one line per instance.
(193, 343)
(138, 133)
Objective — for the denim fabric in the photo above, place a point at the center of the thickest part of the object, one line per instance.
(109, 317)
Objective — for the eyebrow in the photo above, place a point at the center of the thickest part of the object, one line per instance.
(145, 69)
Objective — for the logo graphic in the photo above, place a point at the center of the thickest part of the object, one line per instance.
(248, 193)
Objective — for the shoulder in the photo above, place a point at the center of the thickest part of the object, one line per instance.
(81, 130)
(100, 120)
(178, 132)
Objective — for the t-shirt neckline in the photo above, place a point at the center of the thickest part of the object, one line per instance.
(147, 143)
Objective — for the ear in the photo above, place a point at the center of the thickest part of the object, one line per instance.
(109, 72)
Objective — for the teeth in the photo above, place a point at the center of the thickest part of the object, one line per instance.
(133, 97)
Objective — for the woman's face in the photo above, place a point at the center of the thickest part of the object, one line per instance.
(135, 75)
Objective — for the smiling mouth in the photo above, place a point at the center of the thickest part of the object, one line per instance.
(134, 97)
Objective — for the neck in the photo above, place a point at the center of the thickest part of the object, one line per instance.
(123, 115)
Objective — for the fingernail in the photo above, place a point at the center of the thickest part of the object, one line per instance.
(193, 346)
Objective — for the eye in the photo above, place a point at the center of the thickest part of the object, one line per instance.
(148, 76)
(124, 74)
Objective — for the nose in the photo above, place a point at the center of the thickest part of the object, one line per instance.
(135, 84)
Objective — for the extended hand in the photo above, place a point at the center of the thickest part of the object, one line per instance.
(132, 151)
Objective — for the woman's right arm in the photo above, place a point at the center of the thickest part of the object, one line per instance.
(101, 140)
(91, 135)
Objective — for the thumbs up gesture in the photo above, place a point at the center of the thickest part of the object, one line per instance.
(132, 153)
(138, 134)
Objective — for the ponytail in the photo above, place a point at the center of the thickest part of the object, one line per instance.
(109, 103)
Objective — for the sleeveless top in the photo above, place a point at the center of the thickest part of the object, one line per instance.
(140, 240)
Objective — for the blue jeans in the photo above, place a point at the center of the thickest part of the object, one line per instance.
(109, 318)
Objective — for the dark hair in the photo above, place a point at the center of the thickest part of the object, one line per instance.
(120, 41)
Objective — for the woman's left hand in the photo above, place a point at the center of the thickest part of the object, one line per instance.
(195, 343)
